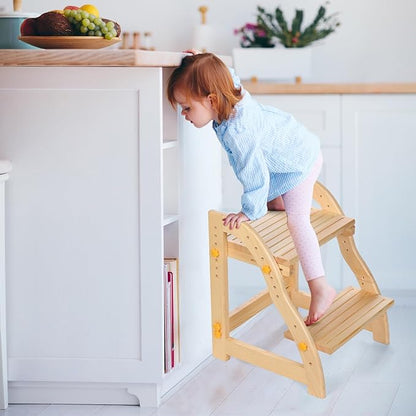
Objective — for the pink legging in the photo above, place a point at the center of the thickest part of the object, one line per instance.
(298, 203)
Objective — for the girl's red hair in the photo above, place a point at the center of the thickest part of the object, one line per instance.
(203, 75)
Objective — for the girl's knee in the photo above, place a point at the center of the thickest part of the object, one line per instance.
(298, 222)
(276, 204)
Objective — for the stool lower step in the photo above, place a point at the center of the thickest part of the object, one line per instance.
(350, 312)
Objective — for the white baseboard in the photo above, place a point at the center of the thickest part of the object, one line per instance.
(83, 393)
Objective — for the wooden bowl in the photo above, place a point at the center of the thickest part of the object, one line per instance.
(69, 42)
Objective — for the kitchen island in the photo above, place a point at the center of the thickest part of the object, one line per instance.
(105, 185)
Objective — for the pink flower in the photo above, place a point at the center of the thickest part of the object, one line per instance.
(251, 26)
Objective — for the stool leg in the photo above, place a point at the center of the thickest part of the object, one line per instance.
(219, 289)
(380, 325)
(380, 329)
(356, 263)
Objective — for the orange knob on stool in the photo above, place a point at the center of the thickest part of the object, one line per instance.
(266, 269)
(302, 346)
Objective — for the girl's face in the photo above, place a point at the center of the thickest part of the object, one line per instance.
(199, 113)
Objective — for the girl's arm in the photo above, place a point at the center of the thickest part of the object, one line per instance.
(249, 165)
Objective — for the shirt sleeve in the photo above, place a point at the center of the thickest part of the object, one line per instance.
(248, 163)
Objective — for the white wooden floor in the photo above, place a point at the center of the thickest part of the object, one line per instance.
(362, 378)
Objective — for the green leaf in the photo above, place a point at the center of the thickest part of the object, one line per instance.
(297, 22)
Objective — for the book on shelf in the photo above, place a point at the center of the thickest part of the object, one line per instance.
(171, 314)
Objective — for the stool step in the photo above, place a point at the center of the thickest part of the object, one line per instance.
(273, 230)
(350, 312)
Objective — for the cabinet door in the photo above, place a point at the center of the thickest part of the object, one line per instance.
(84, 248)
(379, 141)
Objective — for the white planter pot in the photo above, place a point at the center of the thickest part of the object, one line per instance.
(272, 64)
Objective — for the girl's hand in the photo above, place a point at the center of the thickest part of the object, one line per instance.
(234, 220)
(192, 51)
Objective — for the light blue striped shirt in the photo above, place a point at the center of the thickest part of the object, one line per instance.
(269, 151)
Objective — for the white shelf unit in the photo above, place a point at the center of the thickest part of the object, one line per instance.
(97, 199)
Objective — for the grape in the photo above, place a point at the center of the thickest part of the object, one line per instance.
(87, 24)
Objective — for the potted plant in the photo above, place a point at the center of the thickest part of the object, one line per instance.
(260, 56)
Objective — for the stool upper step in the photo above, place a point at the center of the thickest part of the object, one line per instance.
(350, 312)
(273, 230)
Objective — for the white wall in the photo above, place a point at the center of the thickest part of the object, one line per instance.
(374, 43)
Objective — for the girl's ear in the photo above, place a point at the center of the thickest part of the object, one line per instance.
(213, 99)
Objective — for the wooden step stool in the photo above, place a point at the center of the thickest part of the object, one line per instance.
(267, 243)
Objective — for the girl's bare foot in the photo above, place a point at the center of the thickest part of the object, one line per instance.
(322, 296)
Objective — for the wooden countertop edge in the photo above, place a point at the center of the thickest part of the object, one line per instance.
(109, 57)
(333, 88)
(89, 57)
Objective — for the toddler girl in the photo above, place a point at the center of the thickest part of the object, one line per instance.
(276, 159)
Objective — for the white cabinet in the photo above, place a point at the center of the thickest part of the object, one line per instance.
(379, 171)
(94, 206)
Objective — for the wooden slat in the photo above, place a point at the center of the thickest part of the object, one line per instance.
(367, 309)
(332, 228)
(351, 311)
(265, 359)
(247, 310)
(276, 236)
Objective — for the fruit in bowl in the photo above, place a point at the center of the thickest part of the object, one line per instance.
(91, 9)
(51, 24)
(71, 21)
